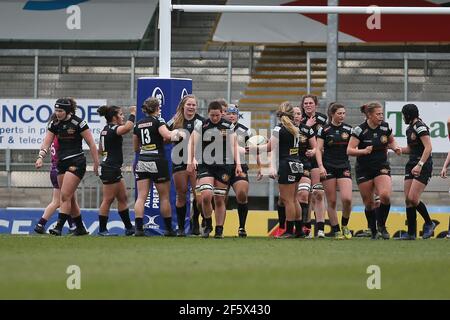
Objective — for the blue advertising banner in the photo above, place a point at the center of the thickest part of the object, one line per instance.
(23, 220)
(170, 92)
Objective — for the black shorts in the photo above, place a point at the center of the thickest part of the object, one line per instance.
(220, 172)
(110, 175)
(364, 174)
(178, 167)
(314, 164)
(306, 167)
(425, 174)
(290, 171)
(337, 173)
(76, 165)
(157, 170)
(242, 177)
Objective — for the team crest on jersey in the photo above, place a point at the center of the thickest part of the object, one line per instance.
(225, 177)
(70, 131)
(344, 135)
(383, 139)
(413, 136)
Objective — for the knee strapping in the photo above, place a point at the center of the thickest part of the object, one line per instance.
(317, 187)
(304, 187)
(220, 192)
(205, 186)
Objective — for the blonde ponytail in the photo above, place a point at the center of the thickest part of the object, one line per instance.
(286, 115)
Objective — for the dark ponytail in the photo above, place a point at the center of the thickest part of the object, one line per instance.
(108, 112)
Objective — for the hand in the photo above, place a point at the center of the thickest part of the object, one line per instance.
(444, 173)
(38, 164)
(322, 171)
(238, 171)
(259, 175)
(368, 149)
(273, 173)
(309, 153)
(182, 134)
(311, 122)
(416, 171)
(133, 110)
(191, 167)
(96, 169)
(398, 151)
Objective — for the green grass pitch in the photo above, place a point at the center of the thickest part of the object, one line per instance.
(34, 267)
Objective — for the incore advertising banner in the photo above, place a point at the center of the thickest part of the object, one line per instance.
(434, 114)
(23, 122)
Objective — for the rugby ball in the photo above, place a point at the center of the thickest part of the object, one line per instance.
(256, 140)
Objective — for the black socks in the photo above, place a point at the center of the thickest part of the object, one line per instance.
(422, 209)
(242, 212)
(281, 216)
(125, 216)
(412, 220)
(103, 220)
(181, 216)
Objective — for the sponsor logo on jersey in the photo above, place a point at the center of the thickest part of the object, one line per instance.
(70, 131)
(344, 135)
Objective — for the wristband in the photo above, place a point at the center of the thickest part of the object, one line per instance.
(131, 118)
(42, 153)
